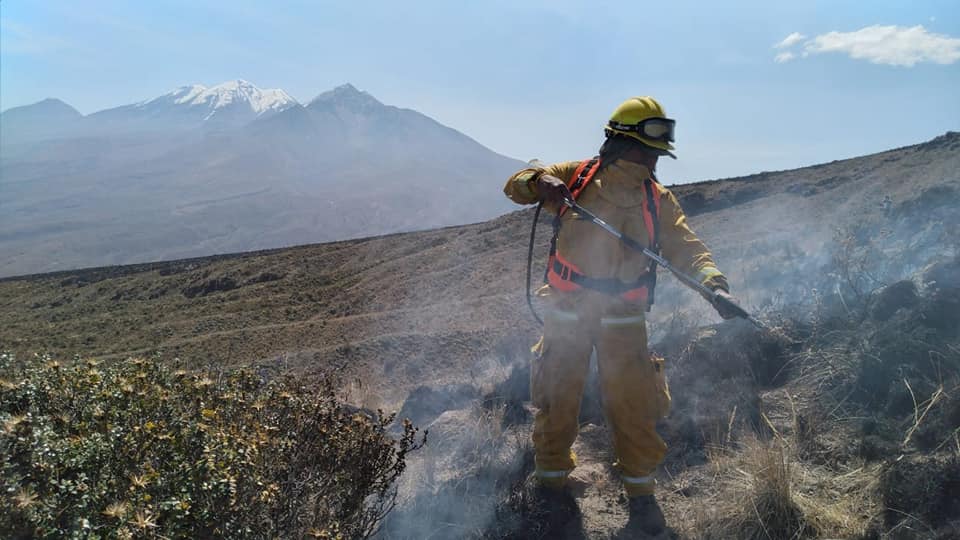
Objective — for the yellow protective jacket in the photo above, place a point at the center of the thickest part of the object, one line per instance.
(615, 195)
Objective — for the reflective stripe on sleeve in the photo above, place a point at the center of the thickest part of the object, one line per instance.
(523, 183)
(708, 272)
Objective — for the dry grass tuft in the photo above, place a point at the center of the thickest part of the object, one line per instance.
(760, 491)
(755, 496)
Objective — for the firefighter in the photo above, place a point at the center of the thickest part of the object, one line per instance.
(597, 293)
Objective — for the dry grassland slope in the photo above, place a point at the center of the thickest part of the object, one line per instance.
(426, 306)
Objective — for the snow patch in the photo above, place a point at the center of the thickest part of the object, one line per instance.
(231, 93)
(187, 94)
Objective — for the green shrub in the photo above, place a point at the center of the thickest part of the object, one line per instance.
(137, 449)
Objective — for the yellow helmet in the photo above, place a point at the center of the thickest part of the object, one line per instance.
(643, 119)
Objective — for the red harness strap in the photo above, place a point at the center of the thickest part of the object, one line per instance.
(565, 276)
(581, 177)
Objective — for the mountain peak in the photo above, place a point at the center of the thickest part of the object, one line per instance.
(41, 120)
(345, 94)
(52, 101)
(235, 92)
(235, 85)
(47, 106)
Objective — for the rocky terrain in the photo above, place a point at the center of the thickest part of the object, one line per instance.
(840, 423)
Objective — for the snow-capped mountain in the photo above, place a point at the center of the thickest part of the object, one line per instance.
(231, 168)
(224, 96)
(228, 104)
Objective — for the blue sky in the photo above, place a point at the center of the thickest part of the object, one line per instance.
(532, 79)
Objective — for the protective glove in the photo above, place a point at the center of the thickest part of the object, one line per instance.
(552, 190)
(726, 304)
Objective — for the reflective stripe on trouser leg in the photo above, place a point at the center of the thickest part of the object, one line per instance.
(634, 320)
(570, 316)
(558, 373)
(553, 479)
(562, 316)
(551, 474)
(635, 398)
(639, 485)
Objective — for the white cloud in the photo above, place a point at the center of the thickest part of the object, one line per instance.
(890, 45)
(790, 41)
(785, 56)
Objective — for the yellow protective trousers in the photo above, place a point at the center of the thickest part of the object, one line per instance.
(633, 389)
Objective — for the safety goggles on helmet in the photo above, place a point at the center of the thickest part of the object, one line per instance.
(658, 129)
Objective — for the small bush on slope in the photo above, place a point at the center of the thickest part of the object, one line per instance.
(136, 449)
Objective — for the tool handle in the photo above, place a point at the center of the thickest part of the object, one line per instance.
(729, 305)
(689, 281)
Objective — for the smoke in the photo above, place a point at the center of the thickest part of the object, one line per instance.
(789, 241)
(794, 253)
(479, 447)
(476, 451)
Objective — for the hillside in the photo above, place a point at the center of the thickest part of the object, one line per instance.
(397, 302)
(434, 324)
(200, 171)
